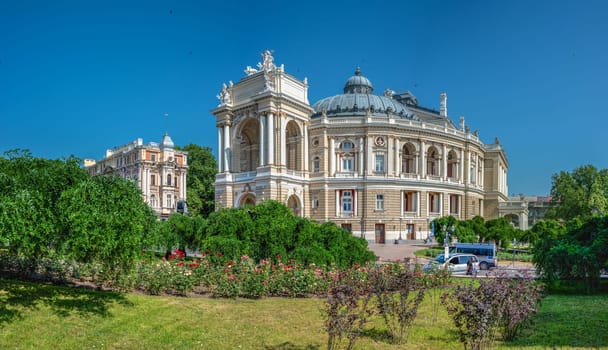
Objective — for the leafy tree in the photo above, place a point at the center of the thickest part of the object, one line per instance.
(180, 231)
(499, 231)
(582, 193)
(440, 223)
(576, 255)
(270, 229)
(105, 220)
(202, 168)
(29, 190)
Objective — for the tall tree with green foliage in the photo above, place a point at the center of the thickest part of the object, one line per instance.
(582, 193)
(202, 168)
(104, 219)
(29, 191)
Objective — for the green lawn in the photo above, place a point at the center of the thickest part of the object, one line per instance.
(35, 316)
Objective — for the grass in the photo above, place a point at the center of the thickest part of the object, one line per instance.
(38, 316)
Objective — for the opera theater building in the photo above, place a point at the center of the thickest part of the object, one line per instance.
(377, 164)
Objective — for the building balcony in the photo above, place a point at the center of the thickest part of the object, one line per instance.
(246, 176)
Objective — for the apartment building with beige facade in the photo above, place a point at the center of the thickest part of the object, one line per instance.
(158, 170)
(381, 166)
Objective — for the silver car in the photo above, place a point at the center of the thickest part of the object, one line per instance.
(457, 264)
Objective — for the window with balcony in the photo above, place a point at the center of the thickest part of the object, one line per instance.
(347, 202)
(434, 203)
(347, 164)
(408, 158)
(454, 204)
(432, 162)
(410, 202)
(452, 164)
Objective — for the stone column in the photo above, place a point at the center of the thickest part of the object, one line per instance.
(262, 138)
(370, 156)
(444, 163)
(422, 160)
(337, 202)
(469, 167)
(220, 149)
(332, 156)
(401, 199)
(389, 156)
(397, 160)
(226, 147)
(354, 202)
(283, 141)
(271, 138)
(361, 151)
(305, 141)
(461, 175)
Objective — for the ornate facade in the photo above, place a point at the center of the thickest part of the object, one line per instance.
(381, 166)
(158, 170)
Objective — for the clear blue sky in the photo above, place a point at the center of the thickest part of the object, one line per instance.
(77, 77)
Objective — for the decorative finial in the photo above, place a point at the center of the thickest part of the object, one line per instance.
(358, 71)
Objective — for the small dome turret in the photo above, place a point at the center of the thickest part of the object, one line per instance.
(358, 84)
(167, 143)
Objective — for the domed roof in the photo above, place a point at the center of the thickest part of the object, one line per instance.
(359, 100)
(358, 84)
(167, 142)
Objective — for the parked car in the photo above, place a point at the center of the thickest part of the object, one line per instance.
(457, 264)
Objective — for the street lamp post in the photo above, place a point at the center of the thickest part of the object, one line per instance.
(400, 222)
(446, 247)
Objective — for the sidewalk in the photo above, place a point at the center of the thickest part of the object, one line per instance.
(392, 252)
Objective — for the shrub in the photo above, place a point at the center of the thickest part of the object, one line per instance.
(398, 293)
(347, 309)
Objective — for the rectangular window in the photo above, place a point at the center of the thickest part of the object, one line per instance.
(379, 202)
(410, 201)
(347, 164)
(347, 227)
(434, 203)
(347, 201)
(454, 200)
(169, 201)
(315, 202)
(316, 162)
(153, 157)
(379, 163)
(153, 180)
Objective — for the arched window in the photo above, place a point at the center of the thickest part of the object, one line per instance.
(169, 204)
(452, 164)
(432, 162)
(153, 201)
(347, 145)
(408, 156)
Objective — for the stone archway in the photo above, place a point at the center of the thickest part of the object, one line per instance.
(247, 200)
(293, 202)
(513, 219)
(249, 145)
(293, 147)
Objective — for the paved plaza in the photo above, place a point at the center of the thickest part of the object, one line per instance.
(401, 251)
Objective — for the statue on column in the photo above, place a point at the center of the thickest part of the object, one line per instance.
(224, 95)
